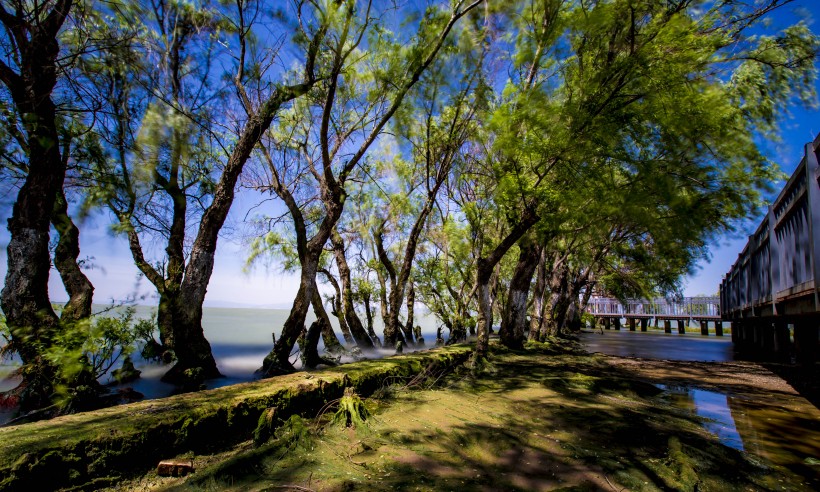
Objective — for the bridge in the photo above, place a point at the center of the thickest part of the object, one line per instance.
(702, 310)
(775, 282)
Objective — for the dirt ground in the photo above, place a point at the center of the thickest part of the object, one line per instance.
(539, 419)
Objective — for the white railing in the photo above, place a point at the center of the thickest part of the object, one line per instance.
(690, 307)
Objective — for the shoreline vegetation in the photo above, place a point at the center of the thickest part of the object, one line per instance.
(550, 416)
(499, 162)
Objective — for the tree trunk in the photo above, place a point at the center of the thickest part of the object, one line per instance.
(332, 344)
(276, 362)
(79, 288)
(537, 317)
(514, 321)
(191, 347)
(557, 305)
(354, 323)
(338, 306)
(369, 315)
(484, 270)
(311, 355)
(24, 298)
(409, 328)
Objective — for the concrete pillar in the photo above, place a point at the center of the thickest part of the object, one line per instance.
(704, 328)
(782, 339)
(767, 337)
(718, 328)
(617, 323)
(667, 326)
(631, 322)
(806, 341)
(736, 329)
(607, 322)
(681, 327)
(644, 324)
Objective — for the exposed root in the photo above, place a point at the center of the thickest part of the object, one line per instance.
(351, 412)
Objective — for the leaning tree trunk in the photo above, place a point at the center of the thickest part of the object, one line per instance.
(338, 306)
(514, 321)
(79, 288)
(484, 271)
(276, 362)
(537, 317)
(24, 298)
(354, 323)
(368, 312)
(332, 344)
(191, 347)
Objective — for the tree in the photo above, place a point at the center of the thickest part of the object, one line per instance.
(29, 70)
(629, 88)
(179, 161)
(341, 108)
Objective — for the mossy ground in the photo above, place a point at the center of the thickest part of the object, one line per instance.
(539, 419)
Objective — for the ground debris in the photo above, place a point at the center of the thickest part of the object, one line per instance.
(175, 468)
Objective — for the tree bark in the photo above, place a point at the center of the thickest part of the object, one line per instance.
(484, 270)
(338, 306)
(537, 317)
(514, 321)
(368, 312)
(409, 328)
(24, 298)
(557, 304)
(332, 344)
(79, 288)
(354, 323)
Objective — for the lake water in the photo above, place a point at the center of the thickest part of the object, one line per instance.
(660, 345)
(240, 339)
(781, 428)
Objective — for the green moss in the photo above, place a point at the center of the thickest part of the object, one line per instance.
(132, 438)
(267, 423)
(351, 412)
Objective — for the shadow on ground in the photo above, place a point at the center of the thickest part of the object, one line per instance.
(533, 420)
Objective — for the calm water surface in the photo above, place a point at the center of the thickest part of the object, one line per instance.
(780, 428)
(660, 345)
(240, 339)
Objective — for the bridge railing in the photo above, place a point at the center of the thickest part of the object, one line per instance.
(781, 259)
(692, 307)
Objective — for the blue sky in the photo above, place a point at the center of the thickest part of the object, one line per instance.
(798, 129)
(115, 277)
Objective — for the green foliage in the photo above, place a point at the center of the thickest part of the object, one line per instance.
(96, 345)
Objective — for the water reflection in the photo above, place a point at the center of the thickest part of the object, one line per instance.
(712, 407)
(782, 430)
(654, 345)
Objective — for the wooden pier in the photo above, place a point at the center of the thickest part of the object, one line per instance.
(702, 310)
(771, 295)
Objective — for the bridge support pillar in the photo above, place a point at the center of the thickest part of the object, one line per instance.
(667, 326)
(618, 323)
(644, 324)
(737, 327)
(806, 341)
(704, 328)
(631, 322)
(718, 328)
(607, 323)
(782, 339)
(767, 338)
(681, 327)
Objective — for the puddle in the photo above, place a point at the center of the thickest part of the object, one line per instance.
(775, 428)
(712, 407)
